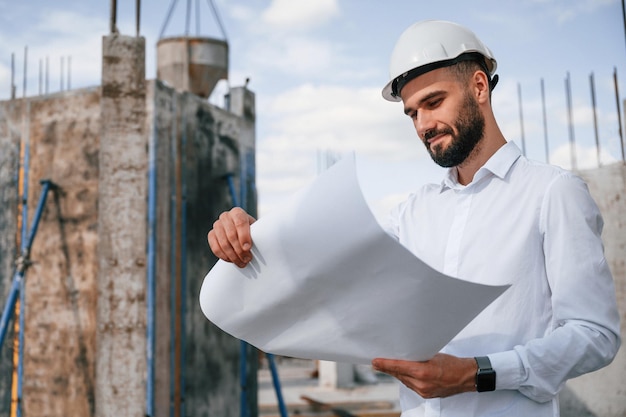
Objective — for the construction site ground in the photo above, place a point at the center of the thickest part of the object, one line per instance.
(303, 395)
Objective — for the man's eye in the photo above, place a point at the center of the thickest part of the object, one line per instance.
(434, 103)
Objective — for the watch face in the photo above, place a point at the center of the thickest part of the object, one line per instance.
(485, 376)
(485, 380)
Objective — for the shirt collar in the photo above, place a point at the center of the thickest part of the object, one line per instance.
(499, 165)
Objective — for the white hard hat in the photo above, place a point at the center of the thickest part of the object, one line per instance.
(432, 44)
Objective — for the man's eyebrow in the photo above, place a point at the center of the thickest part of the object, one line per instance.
(429, 96)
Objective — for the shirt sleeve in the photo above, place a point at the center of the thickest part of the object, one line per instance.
(585, 324)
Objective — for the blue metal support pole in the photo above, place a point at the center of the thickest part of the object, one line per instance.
(151, 271)
(23, 264)
(17, 288)
(243, 346)
(20, 355)
(243, 377)
(231, 188)
(9, 307)
(276, 380)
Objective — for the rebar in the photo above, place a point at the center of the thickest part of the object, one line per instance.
(570, 122)
(595, 117)
(545, 122)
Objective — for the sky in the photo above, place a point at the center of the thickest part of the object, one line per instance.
(317, 68)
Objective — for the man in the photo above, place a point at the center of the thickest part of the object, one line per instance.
(497, 218)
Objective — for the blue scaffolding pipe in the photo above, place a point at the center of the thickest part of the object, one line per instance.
(9, 306)
(151, 271)
(231, 188)
(20, 348)
(23, 264)
(243, 189)
(243, 378)
(276, 380)
(243, 346)
(18, 287)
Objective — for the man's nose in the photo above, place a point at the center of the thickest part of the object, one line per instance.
(424, 122)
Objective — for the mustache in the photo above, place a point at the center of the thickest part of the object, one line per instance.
(434, 132)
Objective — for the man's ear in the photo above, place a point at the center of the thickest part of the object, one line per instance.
(480, 86)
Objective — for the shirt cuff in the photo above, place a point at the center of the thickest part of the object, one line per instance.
(509, 369)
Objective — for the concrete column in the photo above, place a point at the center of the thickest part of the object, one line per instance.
(241, 102)
(121, 365)
(333, 375)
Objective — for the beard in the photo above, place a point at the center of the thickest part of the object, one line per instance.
(470, 127)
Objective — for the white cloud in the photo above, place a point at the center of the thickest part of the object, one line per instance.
(293, 56)
(585, 157)
(280, 173)
(300, 14)
(69, 23)
(284, 170)
(341, 119)
(240, 12)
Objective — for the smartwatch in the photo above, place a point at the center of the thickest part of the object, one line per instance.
(485, 375)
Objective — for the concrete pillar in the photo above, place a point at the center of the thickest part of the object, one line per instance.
(241, 102)
(121, 365)
(334, 375)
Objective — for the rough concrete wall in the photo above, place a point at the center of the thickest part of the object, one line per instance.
(60, 292)
(60, 287)
(121, 368)
(212, 358)
(197, 146)
(603, 393)
(10, 133)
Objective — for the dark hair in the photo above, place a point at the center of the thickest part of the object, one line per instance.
(465, 69)
(462, 70)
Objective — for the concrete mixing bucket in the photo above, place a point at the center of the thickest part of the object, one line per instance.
(192, 64)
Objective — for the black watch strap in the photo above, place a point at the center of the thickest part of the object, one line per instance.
(485, 375)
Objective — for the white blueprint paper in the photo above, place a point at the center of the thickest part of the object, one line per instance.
(327, 282)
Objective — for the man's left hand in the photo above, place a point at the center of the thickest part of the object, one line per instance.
(442, 376)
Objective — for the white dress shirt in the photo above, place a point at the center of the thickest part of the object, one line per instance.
(534, 226)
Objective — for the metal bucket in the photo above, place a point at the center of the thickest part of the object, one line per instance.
(192, 64)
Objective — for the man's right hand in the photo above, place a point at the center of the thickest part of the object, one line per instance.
(230, 238)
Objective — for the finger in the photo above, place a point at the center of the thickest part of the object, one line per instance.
(242, 222)
(223, 249)
(224, 243)
(234, 228)
(215, 245)
(389, 365)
